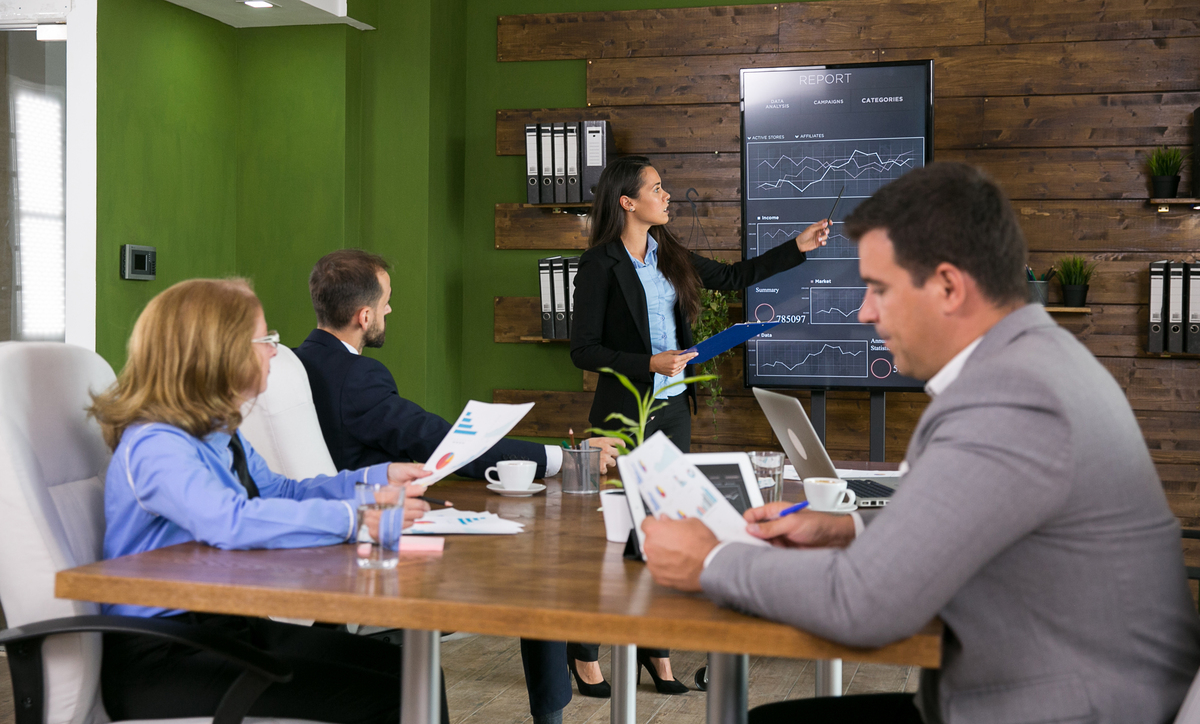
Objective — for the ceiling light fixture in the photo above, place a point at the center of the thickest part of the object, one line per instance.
(261, 4)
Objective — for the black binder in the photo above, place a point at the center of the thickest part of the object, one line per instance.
(1158, 303)
(1175, 308)
(546, 142)
(597, 151)
(572, 268)
(533, 185)
(558, 276)
(547, 299)
(573, 196)
(1191, 295)
(560, 163)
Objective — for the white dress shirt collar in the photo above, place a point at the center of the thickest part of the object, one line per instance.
(949, 373)
(349, 346)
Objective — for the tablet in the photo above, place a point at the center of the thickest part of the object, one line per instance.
(730, 473)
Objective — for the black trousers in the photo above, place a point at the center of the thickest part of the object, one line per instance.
(547, 678)
(337, 677)
(675, 420)
(862, 709)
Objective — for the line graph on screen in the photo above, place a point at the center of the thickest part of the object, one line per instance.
(819, 169)
(811, 358)
(835, 305)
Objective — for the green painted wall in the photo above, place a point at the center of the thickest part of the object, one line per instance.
(166, 139)
(412, 168)
(294, 200)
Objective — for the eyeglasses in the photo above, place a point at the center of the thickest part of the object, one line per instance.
(272, 339)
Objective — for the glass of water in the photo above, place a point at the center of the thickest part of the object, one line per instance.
(768, 468)
(388, 502)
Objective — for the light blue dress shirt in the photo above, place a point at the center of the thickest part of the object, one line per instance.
(660, 306)
(165, 486)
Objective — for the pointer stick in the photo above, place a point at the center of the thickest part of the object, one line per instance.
(835, 203)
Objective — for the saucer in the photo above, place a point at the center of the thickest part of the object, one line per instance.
(527, 492)
(844, 509)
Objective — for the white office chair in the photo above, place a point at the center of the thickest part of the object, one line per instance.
(282, 423)
(52, 466)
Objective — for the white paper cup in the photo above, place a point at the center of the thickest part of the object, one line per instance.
(827, 493)
(617, 521)
(512, 474)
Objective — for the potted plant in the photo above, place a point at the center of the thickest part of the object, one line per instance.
(1074, 273)
(1165, 164)
(632, 434)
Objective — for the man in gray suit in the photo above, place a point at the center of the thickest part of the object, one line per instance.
(1030, 520)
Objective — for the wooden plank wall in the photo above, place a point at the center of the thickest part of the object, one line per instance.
(1060, 100)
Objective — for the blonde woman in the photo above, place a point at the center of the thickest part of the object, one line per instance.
(182, 472)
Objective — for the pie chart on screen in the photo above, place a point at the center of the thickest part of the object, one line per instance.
(444, 461)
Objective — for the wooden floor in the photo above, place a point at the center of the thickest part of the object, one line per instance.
(485, 684)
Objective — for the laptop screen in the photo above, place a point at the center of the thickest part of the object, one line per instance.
(727, 478)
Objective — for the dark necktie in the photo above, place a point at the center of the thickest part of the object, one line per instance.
(239, 466)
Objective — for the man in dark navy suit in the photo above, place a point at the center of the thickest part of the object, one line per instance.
(363, 417)
(365, 420)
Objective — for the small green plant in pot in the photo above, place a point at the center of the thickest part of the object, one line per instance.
(1165, 165)
(1075, 272)
(633, 433)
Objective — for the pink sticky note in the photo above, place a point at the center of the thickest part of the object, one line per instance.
(422, 543)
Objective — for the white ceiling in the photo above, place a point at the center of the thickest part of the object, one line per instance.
(285, 12)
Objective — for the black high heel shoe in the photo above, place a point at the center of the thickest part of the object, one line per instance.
(597, 691)
(661, 685)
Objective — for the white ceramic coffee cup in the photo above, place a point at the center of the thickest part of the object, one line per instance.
(513, 474)
(827, 493)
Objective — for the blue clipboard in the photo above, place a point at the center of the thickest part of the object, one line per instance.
(728, 339)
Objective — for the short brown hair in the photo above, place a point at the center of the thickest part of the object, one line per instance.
(344, 282)
(949, 212)
(190, 358)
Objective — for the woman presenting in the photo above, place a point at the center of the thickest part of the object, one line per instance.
(637, 292)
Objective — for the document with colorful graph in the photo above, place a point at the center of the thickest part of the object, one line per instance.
(672, 486)
(477, 429)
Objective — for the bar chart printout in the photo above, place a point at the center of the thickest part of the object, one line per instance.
(810, 135)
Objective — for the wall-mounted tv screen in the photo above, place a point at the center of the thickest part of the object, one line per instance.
(808, 135)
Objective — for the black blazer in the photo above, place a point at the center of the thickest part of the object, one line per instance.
(611, 326)
(365, 421)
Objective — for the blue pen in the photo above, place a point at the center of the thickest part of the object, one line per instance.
(793, 509)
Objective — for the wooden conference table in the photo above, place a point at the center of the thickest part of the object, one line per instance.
(559, 580)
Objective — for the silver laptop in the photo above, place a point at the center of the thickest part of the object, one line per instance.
(806, 453)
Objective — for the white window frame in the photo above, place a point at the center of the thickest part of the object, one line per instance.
(81, 175)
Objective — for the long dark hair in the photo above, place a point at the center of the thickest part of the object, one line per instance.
(623, 177)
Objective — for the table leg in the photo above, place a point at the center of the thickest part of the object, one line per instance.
(829, 677)
(623, 707)
(421, 677)
(728, 688)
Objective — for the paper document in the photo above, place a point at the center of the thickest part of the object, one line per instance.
(450, 521)
(477, 429)
(673, 486)
(728, 339)
(789, 473)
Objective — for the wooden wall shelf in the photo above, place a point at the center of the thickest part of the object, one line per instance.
(1069, 310)
(1164, 205)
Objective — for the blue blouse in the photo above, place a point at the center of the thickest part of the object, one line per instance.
(660, 305)
(165, 486)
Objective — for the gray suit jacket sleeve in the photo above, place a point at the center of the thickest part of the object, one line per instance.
(992, 471)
